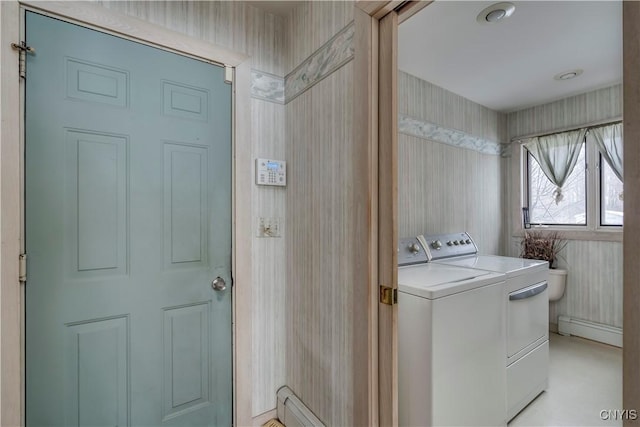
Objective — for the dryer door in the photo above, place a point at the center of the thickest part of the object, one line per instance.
(527, 319)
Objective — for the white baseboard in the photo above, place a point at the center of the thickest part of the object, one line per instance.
(292, 412)
(594, 331)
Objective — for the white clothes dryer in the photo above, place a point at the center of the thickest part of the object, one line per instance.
(527, 311)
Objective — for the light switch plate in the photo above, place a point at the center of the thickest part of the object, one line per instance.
(269, 227)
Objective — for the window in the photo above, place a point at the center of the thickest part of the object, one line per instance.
(564, 190)
(543, 209)
(610, 195)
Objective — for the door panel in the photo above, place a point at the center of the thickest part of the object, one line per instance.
(97, 202)
(186, 340)
(185, 189)
(97, 369)
(128, 220)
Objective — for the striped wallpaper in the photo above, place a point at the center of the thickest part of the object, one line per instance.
(322, 219)
(594, 282)
(449, 168)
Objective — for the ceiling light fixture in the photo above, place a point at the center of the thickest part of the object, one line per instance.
(568, 75)
(495, 13)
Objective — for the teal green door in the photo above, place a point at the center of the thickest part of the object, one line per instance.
(128, 222)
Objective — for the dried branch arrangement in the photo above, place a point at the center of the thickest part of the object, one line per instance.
(542, 245)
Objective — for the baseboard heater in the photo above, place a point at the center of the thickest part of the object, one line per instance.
(594, 331)
(292, 412)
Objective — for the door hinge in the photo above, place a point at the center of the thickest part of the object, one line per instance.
(388, 296)
(23, 49)
(228, 74)
(22, 268)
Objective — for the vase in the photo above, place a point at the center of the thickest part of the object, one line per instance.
(557, 283)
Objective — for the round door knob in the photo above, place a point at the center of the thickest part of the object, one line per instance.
(414, 248)
(218, 284)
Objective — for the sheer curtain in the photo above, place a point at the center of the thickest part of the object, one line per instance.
(557, 155)
(609, 141)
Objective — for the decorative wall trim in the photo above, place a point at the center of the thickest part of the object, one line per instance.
(332, 55)
(426, 130)
(267, 87)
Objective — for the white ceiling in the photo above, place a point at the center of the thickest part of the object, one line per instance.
(510, 65)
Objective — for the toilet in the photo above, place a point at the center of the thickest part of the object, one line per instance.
(557, 282)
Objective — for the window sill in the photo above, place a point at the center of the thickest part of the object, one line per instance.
(603, 234)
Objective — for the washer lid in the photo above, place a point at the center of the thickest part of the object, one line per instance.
(436, 280)
(509, 265)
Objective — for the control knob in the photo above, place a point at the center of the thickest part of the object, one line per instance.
(414, 248)
(436, 244)
(468, 241)
(449, 243)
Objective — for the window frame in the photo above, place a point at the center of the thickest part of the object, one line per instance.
(600, 179)
(593, 230)
(528, 158)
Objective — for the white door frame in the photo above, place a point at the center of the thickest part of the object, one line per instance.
(12, 196)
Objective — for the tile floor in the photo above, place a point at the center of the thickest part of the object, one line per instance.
(585, 377)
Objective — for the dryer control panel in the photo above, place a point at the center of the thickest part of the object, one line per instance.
(410, 251)
(439, 246)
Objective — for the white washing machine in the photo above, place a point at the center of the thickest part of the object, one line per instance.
(451, 343)
(527, 307)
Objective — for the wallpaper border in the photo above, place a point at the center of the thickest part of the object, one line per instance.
(431, 131)
(331, 56)
(267, 87)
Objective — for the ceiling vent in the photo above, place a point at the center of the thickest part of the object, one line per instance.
(496, 13)
(568, 75)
